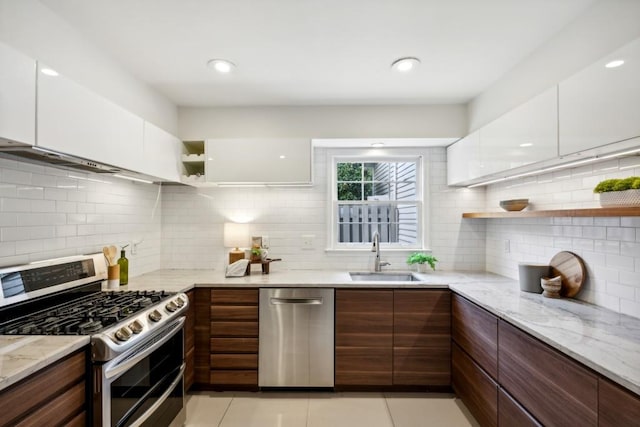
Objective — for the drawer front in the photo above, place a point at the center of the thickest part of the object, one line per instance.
(617, 406)
(364, 318)
(553, 388)
(430, 366)
(476, 331)
(234, 345)
(234, 329)
(234, 361)
(234, 312)
(234, 377)
(364, 366)
(234, 296)
(45, 403)
(511, 413)
(420, 317)
(476, 389)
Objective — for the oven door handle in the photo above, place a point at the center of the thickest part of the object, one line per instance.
(160, 400)
(128, 360)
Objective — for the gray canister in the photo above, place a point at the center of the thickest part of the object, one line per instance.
(530, 275)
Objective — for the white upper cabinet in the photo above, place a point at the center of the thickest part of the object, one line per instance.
(601, 105)
(17, 96)
(73, 120)
(161, 154)
(463, 159)
(264, 161)
(525, 135)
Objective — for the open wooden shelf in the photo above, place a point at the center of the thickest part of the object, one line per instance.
(626, 211)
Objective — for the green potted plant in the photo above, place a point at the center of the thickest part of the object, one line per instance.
(421, 259)
(619, 191)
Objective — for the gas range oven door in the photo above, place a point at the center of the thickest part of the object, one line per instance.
(143, 386)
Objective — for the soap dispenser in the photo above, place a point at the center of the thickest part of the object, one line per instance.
(123, 262)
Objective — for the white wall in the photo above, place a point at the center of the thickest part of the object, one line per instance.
(32, 28)
(427, 121)
(48, 213)
(610, 246)
(192, 223)
(604, 27)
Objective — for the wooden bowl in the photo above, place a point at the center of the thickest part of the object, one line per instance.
(514, 205)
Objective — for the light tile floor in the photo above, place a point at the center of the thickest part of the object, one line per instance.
(302, 409)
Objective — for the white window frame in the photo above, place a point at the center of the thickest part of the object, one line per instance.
(378, 155)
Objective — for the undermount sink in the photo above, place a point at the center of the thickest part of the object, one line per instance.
(383, 277)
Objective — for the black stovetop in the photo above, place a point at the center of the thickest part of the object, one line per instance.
(82, 315)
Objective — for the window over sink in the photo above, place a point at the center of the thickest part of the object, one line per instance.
(376, 192)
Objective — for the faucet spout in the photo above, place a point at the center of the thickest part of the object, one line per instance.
(377, 266)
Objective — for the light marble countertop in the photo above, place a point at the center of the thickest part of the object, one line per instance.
(606, 341)
(603, 340)
(21, 356)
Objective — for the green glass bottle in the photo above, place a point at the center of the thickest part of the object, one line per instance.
(123, 262)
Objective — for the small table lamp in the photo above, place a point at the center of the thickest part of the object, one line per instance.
(235, 236)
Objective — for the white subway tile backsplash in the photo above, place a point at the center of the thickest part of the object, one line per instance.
(609, 246)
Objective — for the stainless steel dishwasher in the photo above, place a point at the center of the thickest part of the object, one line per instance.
(296, 338)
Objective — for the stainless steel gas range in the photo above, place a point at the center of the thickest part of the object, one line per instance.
(137, 363)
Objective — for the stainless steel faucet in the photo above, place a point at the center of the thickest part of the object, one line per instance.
(377, 266)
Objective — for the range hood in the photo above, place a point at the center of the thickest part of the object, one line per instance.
(34, 154)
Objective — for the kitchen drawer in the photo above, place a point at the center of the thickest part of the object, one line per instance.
(234, 296)
(227, 313)
(421, 317)
(556, 390)
(234, 378)
(234, 345)
(364, 366)
(617, 406)
(61, 397)
(428, 366)
(56, 410)
(475, 330)
(234, 361)
(234, 329)
(511, 413)
(476, 389)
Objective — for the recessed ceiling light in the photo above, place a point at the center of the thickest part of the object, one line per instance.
(282, 156)
(49, 72)
(377, 144)
(526, 144)
(221, 65)
(404, 65)
(614, 64)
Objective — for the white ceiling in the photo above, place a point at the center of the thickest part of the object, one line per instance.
(318, 52)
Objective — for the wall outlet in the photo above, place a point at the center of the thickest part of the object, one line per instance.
(507, 246)
(307, 241)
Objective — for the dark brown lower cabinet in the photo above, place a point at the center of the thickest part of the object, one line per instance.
(510, 413)
(202, 337)
(364, 337)
(422, 337)
(189, 342)
(54, 396)
(617, 406)
(233, 341)
(555, 389)
(476, 389)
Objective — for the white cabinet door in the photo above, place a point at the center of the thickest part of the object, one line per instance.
(463, 159)
(270, 161)
(601, 105)
(161, 154)
(525, 135)
(73, 120)
(17, 96)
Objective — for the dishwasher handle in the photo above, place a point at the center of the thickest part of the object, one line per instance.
(299, 301)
